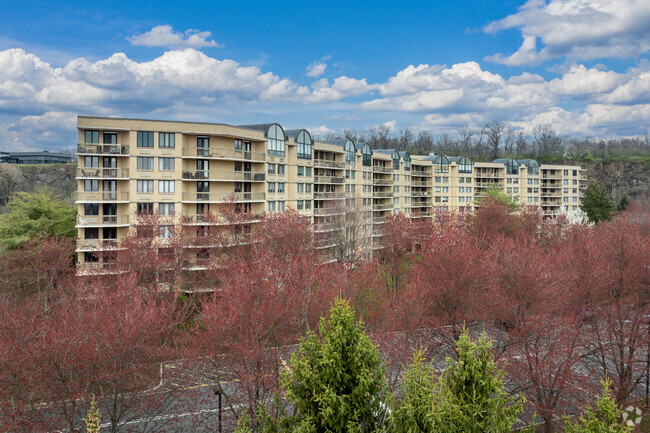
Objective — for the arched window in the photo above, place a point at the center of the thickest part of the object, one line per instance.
(275, 135)
(367, 155)
(531, 166)
(349, 153)
(442, 164)
(512, 166)
(395, 160)
(304, 145)
(464, 165)
(407, 161)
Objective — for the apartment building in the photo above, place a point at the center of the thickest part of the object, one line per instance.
(183, 171)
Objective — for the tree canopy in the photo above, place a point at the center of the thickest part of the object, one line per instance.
(596, 203)
(36, 214)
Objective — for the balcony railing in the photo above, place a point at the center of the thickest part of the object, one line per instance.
(420, 183)
(328, 163)
(221, 197)
(211, 219)
(328, 211)
(383, 206)
(328, 196)
(479, 175)
(328, 179)
(103, 196)
(92, 220)
(420, 194)
(382, 194)
(97, 244)
(382, 181)
(224, 175)
(103, 173)
(103, 149)
(378, 169)
(202, 152)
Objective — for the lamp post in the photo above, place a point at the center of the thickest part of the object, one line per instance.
(218, 393)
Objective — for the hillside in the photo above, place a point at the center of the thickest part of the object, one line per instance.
(58, 179)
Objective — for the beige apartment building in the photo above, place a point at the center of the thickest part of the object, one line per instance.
(183, 170)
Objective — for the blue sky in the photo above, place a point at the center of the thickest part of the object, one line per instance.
(580, 65)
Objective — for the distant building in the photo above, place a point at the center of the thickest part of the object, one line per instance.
(43, 157)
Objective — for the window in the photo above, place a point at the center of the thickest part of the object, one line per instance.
(299, 204)
(166, 232)
(91, 208)
(166, 186)
(145, 164)
(166, 140)
(90, 257)
(515, 190)
(308, 171)
(144, 208)
(308, 187)
(166, 209)
(301, 188)
(461, 180)
(441, 164)
(109, 209)
(307, 204)
(436, 189)
(202, 186)
(438, 179)
(91, 233)
(445, 189)
(238, 144)
(566, 190)
(445, 180)
(92, 137)
(271, 187)
(461, 199)
(366, 155)
(395, 160)
(275, 136)
(301, 170)
(468, 180)
(271, 169)
(109, 162)
(349, 153)
(461, 189)
(145, 186)
(468, 189)
(281, 169)
(280, 187)
(281, 206)
(271, 206)
(91, 185)
(464, 165)
(91, 161)
(166, 164)
(145, 139)
(566, 172)
(304, 145)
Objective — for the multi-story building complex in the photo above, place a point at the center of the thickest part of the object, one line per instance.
(182, 170)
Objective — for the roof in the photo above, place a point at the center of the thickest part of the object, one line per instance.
(43, 153)
(504, 160)
(293, 133)
(456, 159)
(340, 142)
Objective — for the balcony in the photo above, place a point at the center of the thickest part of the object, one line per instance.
(420, 183)
(328, 196)
(103, 149)
(108, 196)
(328, 163)
(221, 197)
(213, 219)
(480, 175)
(226, 176)
(102, 220)
(420, 194)
(382, 181)
(378, 207)
(102, 173)
(96, 244)
(421, 173)
(382, 194)
(327, 211)
(327, 227)
(328, 179)
(379, 169)
(225, 154)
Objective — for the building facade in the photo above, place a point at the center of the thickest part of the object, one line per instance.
(183, 170)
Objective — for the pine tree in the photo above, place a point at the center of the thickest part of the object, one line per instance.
(596, 203)
(606, 419)
(93, 418)
(336, 382)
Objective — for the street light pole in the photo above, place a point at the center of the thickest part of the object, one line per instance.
(218, 393)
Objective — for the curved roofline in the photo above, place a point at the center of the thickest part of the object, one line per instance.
(265, 127)
(339, 142)
(294, 134)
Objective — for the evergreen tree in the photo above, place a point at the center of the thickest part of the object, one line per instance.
(596, 203)
(623, 203)
(337, 383)
(469, 397)
(606, 419)
(93, 418)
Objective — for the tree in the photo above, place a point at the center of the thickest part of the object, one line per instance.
(596, 203)
(36, 214)
(336, 379)
(606, 418)
(470, 395)
(494, 132)
(93, 418)
(623, 203)
(397, 241)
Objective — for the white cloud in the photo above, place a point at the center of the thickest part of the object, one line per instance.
(165, 36)
(42, 132)
(582, 81)
(577, 29)
(316, 69)
(342, 87)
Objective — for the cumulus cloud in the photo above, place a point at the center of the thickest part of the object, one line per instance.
(315, 69)
(165, 36)
(342, 87)
(577, 29)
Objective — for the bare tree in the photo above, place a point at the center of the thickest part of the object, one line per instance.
(494, 131)
(424, 141)
(405, 140)
(545, 139)
(352, 232)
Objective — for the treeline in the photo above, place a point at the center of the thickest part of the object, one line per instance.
(495, 140)
(563, 303)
